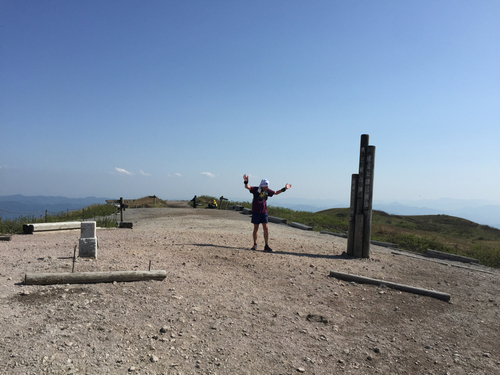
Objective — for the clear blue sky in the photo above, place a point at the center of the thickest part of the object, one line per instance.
(177, 98)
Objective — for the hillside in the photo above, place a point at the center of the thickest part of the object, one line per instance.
(438, 232)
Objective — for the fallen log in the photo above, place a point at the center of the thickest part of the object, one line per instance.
(38, 227)
(92, 277)
(405, 288)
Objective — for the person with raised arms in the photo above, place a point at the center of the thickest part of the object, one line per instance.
(259, 208)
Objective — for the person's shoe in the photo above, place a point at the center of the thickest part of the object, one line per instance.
(267, 249)
(254, 247)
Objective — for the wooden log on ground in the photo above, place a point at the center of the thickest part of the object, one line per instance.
(443, 255)
(405, 288)
(40, 227)
(92, 277)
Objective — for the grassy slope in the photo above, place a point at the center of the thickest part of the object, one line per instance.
(438, 232)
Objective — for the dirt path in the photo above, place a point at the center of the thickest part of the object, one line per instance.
(224, 309)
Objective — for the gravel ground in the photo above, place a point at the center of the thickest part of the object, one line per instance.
(224, 309)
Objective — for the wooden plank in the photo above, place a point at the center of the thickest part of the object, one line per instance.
(92, 277)
(405, 288)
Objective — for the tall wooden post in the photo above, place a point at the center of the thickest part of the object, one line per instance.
(367, 201)
(359, 219)
(359, 231)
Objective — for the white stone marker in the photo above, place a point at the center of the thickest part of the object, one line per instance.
(88, 241)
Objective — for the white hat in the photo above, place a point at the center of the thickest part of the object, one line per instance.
(264, 182)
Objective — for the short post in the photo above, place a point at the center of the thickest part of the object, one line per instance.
(88, 240)
(360, 214)
(221, 200)
(121, 209)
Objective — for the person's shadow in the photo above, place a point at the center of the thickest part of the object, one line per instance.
(308, 255)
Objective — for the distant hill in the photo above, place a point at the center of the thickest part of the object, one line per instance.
(478, 211)
(14, 206)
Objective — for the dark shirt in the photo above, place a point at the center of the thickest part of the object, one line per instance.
(259, 202)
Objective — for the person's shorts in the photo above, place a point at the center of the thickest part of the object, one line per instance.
(259, 218)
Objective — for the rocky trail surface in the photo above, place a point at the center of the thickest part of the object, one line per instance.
(224, 309)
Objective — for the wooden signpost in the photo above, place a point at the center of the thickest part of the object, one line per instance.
(360, 213)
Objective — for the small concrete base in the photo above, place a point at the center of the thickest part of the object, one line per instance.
(87, 248)
(125, 224)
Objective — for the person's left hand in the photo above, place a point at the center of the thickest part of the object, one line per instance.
(288, 186)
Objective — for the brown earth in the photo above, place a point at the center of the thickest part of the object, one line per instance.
(224, 309)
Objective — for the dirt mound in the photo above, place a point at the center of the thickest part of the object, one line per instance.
(224, 309)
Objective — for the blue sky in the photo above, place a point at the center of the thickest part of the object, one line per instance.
(177, 98)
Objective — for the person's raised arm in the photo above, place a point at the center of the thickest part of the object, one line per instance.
(287, 186)
(245, 181)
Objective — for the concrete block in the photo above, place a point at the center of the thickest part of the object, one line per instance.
(443, 255)
(300, 226)
(125, 224)
(247, 211)
(88, 229)
(87, 248)
(342, 235)
(277, 220)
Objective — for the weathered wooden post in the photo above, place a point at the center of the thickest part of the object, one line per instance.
(367, 200)
(352, 215)
(359, 231)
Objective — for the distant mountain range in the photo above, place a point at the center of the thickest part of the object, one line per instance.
(478, 211)
(14, 206)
